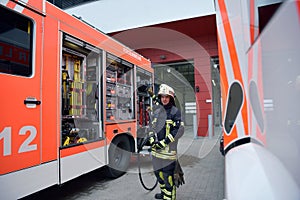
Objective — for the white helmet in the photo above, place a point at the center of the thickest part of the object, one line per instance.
(166, 90)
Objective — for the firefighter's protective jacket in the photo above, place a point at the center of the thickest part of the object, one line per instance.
(168, 126)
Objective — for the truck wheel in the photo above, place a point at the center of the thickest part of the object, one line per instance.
(119, 157)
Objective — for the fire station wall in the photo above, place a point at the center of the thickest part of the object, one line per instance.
(201, 55)
(193, 39)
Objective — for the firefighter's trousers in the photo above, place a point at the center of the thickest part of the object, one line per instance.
(164, 172)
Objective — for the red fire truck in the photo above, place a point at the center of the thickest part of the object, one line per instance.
(73, 99)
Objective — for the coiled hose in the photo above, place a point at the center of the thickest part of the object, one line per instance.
(139, 167)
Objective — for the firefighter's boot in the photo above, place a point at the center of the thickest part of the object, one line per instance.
(159, 196)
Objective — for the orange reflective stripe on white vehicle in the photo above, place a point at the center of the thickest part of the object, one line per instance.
(233, 58)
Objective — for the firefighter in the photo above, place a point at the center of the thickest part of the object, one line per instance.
(165, 130)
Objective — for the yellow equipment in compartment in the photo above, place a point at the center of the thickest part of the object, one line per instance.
(76, 98)
(73, 66)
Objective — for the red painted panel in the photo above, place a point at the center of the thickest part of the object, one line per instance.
(50, 78)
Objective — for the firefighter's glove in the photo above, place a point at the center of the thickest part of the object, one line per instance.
(150, 91)
(178, 175)
(160, 144)
(150, 139)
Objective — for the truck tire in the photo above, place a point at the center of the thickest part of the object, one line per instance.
(119, 157)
